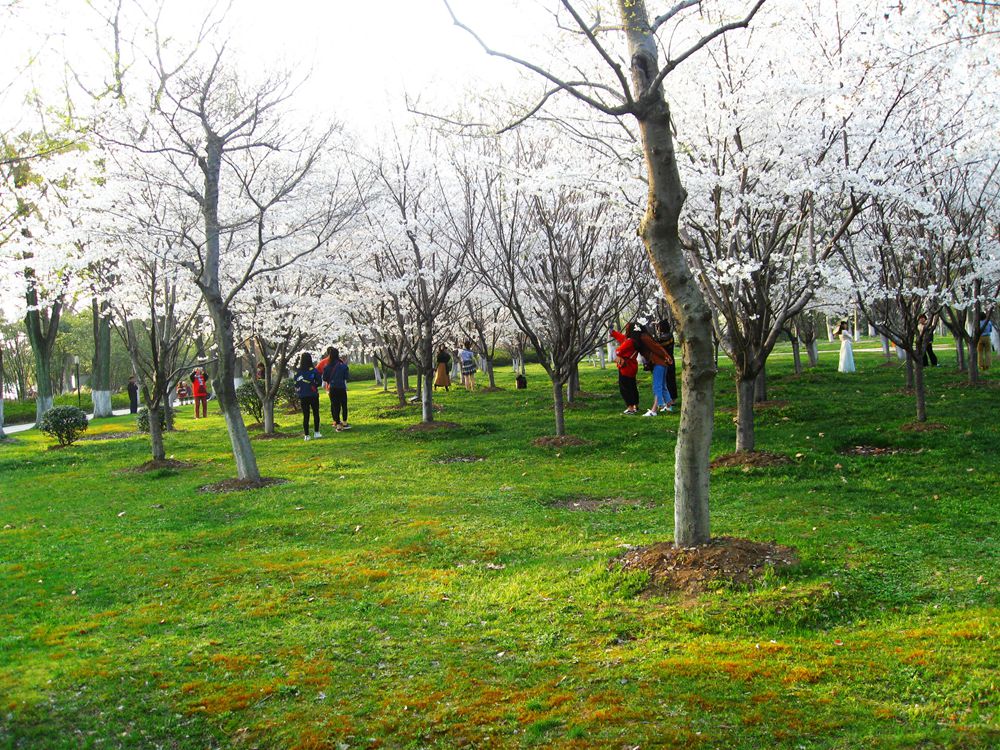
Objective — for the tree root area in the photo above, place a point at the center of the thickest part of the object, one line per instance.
(558, 441)
(241, 485)
(587, 503)
(751, 460)
(924, 427)
(431, 426)
(110, 436)
(723, 560)
(157, 464)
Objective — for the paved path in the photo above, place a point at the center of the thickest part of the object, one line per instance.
(12, 428)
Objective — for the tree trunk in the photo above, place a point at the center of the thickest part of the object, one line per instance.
(378, 374)
(2, 436)
(267, 405)
(960, 353)
(745, 389)
(406, 377)
(885, 349)
(659, 231)
(427, 367)
(919, 388)
(100, 371)
(400, 385)
(490, 372)
(602, 358)
(813, 350)
(909, 370)
(560, 407)
(760, 386)
(796, 355)
(973, 362)
(156, 433)
(42, 340)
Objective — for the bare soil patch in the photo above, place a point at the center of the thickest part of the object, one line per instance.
(459, 459)
(557, 441)
(586, 503)
(156, 465)
(873, 450)
(751, 460)
(431, 426)
(241, 485)
(110, 436)
(924, 427)
(724, 560)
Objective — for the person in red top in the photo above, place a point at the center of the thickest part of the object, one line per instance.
(627, 360)
(199, 390)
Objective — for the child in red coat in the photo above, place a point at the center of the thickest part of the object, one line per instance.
(627, 359)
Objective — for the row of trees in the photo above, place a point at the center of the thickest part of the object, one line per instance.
(842, 166)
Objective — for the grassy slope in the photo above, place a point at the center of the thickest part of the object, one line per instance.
(384, 595)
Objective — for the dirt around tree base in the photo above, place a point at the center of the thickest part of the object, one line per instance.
(924, 427)
(750, 460)
(431, 426)
(157, 464)
(585, 503)
(241, 485)
(724, 560)
(558, 441)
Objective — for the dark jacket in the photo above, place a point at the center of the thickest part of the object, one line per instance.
(337, 373)
(307, 382)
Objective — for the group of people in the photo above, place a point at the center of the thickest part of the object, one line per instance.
(467, 363)
(196, 391)
(657, 354)
(332, 372)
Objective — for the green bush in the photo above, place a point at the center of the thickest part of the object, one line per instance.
(142, 418)
(287, 395)
(64, 423)
(249, 401)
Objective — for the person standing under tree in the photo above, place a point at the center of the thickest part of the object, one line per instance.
(468, 360)
(199, 391)
(656, 359)
(930, 358)
(442, 379)
(666, 340)
(307, 381)
(627, 361)
(984, 345)
(133, 395)
(335, 377)
(846, 348)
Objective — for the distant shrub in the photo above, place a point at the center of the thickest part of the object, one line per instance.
(142, 418)
(249, 401)
(64, 423)
(288, 396)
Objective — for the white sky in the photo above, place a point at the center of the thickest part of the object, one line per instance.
(362, 54)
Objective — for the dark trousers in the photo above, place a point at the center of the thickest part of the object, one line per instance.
(133, 404)
(629, 390)
(929, 356)
(309, 403)
(672, 382)
(338, 404)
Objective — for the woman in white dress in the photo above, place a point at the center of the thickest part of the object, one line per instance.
(846, 348)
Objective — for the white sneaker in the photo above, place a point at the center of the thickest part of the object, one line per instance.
(317, 435)
(650, 413)
(307, 438)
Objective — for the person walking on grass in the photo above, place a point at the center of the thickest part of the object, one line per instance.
(656, 359)
(199, 391)
(133, 395)
(307, 381)
(627, 361)
(846, 348)
(335, 377)
(441, 378)
(984, 345)
(468, 360)
(929, 358)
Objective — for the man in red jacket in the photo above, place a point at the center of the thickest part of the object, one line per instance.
(199, 390)
(627, 360)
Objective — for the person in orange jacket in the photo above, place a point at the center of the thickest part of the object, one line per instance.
(627, 361)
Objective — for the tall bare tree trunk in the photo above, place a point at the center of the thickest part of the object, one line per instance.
(919, 388)
(267, 406)
(813, 350)
(760, 386)
(745, 439)
(427, 384)
(559, 406)
(660, 233)
(100, 371)
(401, 384)
(960, 353)
(156, 446)
(42, 337)
(973, 363)
(909, 370)
(796, 355)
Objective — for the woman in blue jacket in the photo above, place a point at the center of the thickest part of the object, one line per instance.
(307, 381)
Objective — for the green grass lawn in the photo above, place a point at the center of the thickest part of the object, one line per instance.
(383, 598)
